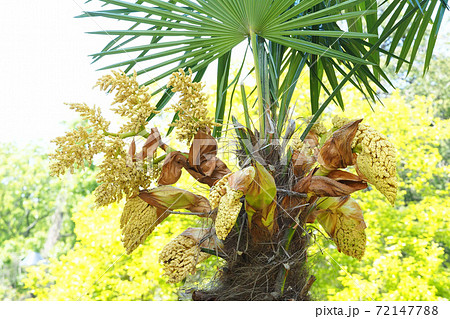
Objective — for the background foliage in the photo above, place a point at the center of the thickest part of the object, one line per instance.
(28, 200)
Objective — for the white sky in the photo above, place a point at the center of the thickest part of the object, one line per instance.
(44, 63)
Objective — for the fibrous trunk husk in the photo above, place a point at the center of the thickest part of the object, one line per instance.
(274, 269)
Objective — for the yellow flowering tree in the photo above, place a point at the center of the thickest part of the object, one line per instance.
(287, 174)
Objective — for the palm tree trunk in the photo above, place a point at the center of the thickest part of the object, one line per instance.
(274, 268)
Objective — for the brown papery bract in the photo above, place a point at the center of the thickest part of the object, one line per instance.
(151, 145)
(203, 164)
(172, 168)
(172, 198)
(337, 150)
(242, 179)
(324, 186)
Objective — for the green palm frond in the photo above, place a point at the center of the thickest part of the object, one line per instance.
(428, 15)
(338, 40)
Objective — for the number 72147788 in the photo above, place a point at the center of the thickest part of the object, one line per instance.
(407, 310)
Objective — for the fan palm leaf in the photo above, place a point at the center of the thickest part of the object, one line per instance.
(334, 39)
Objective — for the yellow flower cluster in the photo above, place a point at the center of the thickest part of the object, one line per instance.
(191, 108)
(299, 145)
(350, 237)
(133, 100)
(137, 222)
(304, 148)
(217, 191)
(229, 205)
(180, 257)
(91, 114)
(74, 150)
(79, 146)
(118, 175)
(339, 122)
(318, 128)
(229, 208)
(377, 159)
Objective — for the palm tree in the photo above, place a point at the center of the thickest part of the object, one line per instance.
(261, 211)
